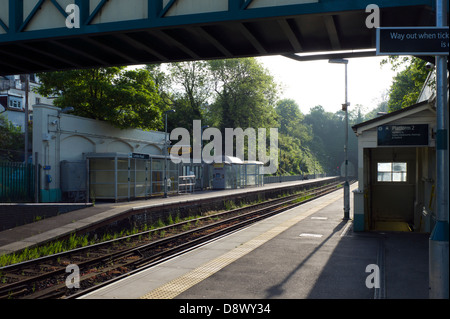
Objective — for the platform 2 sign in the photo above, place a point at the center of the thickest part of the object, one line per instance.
(403, 135)
(413, 41)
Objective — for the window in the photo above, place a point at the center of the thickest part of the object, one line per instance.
(15, 104)
(392, 172)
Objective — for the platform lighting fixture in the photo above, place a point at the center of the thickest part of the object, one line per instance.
(165, 152)
(345, 108)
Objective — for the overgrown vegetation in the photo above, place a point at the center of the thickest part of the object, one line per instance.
(75, 241)
(12, 141)
(408, 83)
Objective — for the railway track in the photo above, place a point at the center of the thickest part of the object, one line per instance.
(103, 263)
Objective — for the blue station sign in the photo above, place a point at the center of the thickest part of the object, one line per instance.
(413, 41)
(403, 135)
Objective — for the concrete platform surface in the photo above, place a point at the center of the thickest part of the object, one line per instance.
(308, 252)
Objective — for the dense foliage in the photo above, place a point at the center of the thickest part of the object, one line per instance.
(124, 98)
(408, 83)
(12, 141)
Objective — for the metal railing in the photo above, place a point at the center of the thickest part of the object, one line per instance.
(17, 182)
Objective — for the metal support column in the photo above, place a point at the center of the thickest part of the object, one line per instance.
(166, 154)
(346, 184)
(345, 108)
(438, 243)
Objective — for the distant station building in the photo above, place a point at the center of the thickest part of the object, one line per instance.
(81, 159)
(231, 172)
(84, 159)
(397, 170)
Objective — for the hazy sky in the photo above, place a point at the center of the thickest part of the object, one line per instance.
(321, 83)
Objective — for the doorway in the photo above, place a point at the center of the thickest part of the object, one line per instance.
(392, 188)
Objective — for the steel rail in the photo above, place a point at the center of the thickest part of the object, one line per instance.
(158, 258)
(146, 252)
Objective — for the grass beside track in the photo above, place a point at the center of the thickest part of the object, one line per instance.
(77, 241)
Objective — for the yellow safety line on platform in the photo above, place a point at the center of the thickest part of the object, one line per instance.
(175, 287)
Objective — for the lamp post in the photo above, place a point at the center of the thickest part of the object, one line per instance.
(201, 155)
(165, 153)
(27, 89)
(345, 108)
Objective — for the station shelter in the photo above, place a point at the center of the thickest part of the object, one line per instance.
(397, 171)
(122, 176)
(232, 172)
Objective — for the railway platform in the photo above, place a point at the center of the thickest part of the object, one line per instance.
(47, 230)
(308, 252)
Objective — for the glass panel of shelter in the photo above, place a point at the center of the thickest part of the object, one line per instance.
(133, 178)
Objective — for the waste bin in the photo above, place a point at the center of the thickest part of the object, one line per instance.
(358, 210)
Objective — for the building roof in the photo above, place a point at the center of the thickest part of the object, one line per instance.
(419, 107)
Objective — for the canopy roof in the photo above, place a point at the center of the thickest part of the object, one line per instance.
(34, 37)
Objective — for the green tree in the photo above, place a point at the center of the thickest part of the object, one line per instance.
(12, 141)
(381, 108)
(245, 94)
(291, 121)
(408, 83)
(328, 134)
(188, 91)
(124, 98)
(294, 139)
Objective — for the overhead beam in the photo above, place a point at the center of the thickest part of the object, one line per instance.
(49, 54)
(31, 15)
(251, 38)
(137, 44)
(246, 4)
(36, 8)
(79, 52)
(26, 59)
(290, 34)
(166, 34)
(167, 8)
(60, 9)
(331, 55)
(4, 26)
(237, 11)
(332, 32)
(211, 39)
(111, 49)
(183, 47)
(96, 10)
(14, 70)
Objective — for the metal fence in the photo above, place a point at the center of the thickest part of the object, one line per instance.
(17, 182)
